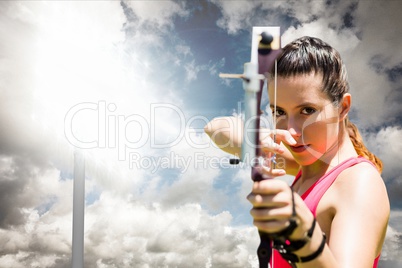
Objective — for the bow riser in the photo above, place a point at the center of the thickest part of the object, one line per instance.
(255, 74)
(264, 51)
(265, 48)
(251, 85)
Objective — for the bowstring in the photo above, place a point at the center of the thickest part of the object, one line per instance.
(273, 162)
(274, 129)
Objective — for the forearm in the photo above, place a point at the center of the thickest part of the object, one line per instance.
(226, 133)
(315, 253)
(325, 259)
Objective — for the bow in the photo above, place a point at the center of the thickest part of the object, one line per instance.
(265, 48)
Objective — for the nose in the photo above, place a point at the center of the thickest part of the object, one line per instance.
(294, 133)
(293, 128)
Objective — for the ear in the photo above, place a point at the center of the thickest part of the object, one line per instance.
(344, 106)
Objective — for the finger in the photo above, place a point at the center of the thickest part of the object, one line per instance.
(270, 187)
(267, 142)
(261, 202)
(272, 226)
(269, 172)
(284, 136)
(284, 211)
(268, 145)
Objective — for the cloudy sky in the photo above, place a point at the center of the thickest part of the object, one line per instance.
(131, 84)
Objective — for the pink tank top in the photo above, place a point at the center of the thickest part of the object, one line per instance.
(313, 196)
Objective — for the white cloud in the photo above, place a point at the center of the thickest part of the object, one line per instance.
(44, 204)
(368, 36)
(374, 90)
(386, 143)
(319, 28)
(387, 146)
(183, 236)
(368, 46)
(150, 21)
(68, 55)
(392, 245)
(198, 163)
(192, 70)
(54, 55)
(236, 14)
(124, 232)
(160, 14)
(380, 29)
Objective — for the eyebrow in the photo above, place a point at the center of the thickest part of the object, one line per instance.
(304, 104)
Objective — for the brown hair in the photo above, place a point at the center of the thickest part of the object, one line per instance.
(308, 55)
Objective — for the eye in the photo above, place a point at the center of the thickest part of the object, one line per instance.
(279, 112)
(308, 111)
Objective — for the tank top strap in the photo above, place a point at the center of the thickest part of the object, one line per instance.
(314, 194)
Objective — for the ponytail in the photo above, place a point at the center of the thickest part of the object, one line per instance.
(360, 148)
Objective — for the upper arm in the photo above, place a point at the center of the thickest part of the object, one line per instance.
(361, 216)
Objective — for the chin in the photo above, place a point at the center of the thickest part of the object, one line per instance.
(307, 158)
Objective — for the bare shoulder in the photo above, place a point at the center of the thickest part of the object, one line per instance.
(361, 210)
(358, 189)
(360, 182)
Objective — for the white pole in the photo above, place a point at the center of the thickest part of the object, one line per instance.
(78, 210)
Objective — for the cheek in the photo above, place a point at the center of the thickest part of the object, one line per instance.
(281, 124)
(321, 133)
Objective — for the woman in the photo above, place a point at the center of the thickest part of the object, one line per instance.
(336, 212)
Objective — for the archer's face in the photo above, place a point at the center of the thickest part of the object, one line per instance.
(308, 114)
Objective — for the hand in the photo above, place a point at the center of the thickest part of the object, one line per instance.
(273, 207)
(285, 163)
(274, 146)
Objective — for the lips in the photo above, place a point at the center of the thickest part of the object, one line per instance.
(298, 148)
